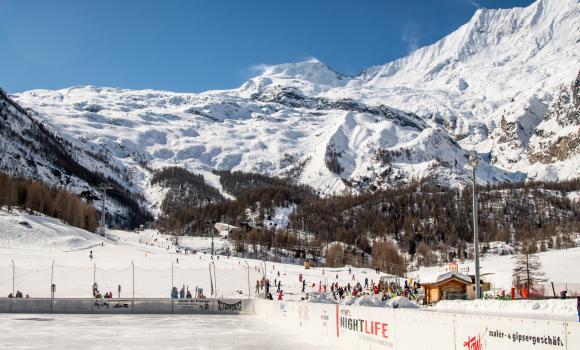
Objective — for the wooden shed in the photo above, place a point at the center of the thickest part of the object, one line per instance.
(448, 286)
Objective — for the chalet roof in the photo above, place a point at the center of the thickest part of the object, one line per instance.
(444, 277)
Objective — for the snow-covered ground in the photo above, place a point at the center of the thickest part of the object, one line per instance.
(559, 266)
(552, 309)
(151, 332)
(34, 242)
(154, 257)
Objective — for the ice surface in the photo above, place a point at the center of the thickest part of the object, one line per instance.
(30, 331)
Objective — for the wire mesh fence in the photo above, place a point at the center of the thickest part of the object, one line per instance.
(235, 278)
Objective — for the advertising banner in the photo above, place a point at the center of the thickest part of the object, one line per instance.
(481, 332)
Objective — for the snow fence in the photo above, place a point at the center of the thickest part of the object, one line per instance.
(360, 327)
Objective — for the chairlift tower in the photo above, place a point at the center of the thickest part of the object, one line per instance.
(104, 187)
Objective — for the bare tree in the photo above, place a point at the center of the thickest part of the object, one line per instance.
(528, 268)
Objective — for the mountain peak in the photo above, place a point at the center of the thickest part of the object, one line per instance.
(311, 76)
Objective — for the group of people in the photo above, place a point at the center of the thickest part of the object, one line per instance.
(184, 293)
(18, 294)
(264, 284)
(98, 295)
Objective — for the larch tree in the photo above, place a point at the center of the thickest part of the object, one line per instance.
(528, 268)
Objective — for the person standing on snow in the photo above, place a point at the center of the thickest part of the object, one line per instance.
(95, 289)
(366, 282)
(182, 292)
(303, 285)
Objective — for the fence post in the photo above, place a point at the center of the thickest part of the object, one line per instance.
(133, 287)
(172, 286)
(215, 279)
(249, 290)
(51, 285)
(13, 269)
(210, 280)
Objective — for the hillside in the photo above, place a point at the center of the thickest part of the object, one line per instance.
(34, 150)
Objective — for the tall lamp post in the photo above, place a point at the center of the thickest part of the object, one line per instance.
(473, 161)
(211, 230)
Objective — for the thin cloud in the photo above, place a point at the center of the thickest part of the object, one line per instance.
(474, 3)
(257, 69)
(410, 36)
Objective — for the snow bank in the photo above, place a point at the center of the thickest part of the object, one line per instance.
(25, 231)
(365, 300)
(552, 309)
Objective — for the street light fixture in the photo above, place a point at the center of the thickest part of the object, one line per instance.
(473, 161)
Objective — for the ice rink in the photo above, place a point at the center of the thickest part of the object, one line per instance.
(87, 332)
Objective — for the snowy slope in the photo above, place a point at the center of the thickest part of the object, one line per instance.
(486, 86)
(33, 243)
(32, 232)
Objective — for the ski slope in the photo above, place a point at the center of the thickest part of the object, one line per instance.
(33, 243)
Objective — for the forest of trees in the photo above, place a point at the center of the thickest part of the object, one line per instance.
(57, 203)
(252, 191)
(429, 223)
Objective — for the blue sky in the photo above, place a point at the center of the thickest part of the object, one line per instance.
(196, 45)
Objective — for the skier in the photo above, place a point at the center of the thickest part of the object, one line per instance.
(258, 287)
(366, 282)
(91, 255)
(303, 286)
(280, 295)
(279, 286)
(177, 260)
(349, 270)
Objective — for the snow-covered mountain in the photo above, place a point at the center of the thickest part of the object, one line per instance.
(495, 85)
(34, 150)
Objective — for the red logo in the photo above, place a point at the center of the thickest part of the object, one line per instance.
(473, 343)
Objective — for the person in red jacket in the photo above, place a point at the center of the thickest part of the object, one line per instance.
(280, 295)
